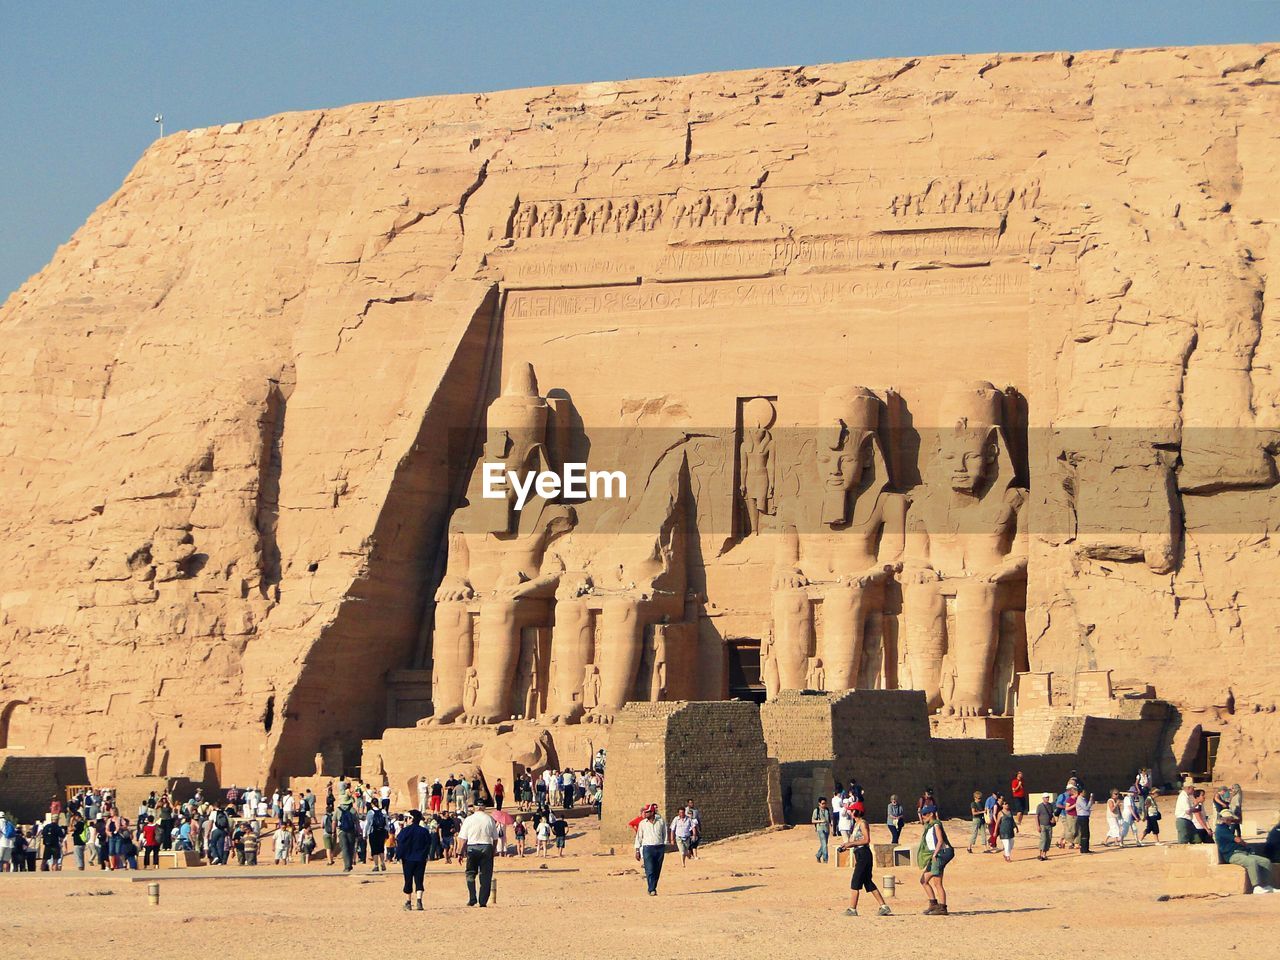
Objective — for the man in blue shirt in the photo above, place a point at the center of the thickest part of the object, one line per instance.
(1231, 851)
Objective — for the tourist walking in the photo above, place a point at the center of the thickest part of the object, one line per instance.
(1113, 819)
(932, 856)
(978, 814)
(376, 827)
(694, 814)
(651, 845)
(479, 837)
(1128, 814)
(682, 834)
(1007, 829)
(1046, 817)
(860, 843)
(991, 811)
(412, 846)
(1151, 815)
(821, 820)
(1018, 794)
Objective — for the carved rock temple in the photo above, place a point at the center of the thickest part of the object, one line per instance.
(952, 375)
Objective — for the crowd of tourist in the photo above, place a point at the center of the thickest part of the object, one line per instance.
(1062, 821)
(351, 824)
(461, 821)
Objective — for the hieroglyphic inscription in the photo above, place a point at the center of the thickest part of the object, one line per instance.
(747, 257)
(770, 291)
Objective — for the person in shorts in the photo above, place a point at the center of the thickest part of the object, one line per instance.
(860, 843)
(932, 856)
(560, 830)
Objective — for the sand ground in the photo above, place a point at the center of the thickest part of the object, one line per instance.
(757, 896)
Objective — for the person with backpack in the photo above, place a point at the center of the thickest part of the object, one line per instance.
(346, 831)
(821, 821)
(932, 856)
(51, 835)
(375, 831)
(218, 836)
(80, 839)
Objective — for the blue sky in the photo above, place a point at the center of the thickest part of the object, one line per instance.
(81, 81)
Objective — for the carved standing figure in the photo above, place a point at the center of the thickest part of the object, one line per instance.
(526, 216)
(755, 461)
(965, 543)
(574, 219)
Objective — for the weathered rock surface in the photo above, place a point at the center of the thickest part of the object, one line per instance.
(227, 404)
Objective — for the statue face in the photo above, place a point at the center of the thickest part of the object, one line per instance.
(843, 455)
(970, 455)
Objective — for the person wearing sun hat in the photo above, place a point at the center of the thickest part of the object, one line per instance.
(346, 829)
(932, 856)
(1232, 851)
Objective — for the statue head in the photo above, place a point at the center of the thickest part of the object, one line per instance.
(757, 416)
(848, 447)
(972, 416)
(517, 421)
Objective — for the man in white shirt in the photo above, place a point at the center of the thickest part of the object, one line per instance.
(1182, 814)
(651, 845)
(682, 834)
(384, 794)
(479, 835)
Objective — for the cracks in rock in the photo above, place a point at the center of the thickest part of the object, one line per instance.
(306, 144)
(481, 175)
(584, 333)
(347, 328)
(871, 86)
(688, 141)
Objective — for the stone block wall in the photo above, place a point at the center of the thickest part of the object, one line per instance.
(27, 784)
(667, 753)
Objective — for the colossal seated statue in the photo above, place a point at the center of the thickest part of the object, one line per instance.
(839, 546)
(966, 551)
(500, 575)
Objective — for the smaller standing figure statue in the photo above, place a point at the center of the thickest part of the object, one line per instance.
(755, 462)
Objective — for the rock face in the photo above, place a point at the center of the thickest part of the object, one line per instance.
(241, 407)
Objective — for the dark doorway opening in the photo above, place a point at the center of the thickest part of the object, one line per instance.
(744, 671)
(1205, 757)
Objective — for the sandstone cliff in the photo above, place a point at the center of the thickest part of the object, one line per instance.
(227, 404)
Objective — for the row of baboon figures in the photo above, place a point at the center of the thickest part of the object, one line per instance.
(838, 567)
(580, 218)
(963, 196)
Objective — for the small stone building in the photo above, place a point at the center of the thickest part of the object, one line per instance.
(669, 752)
